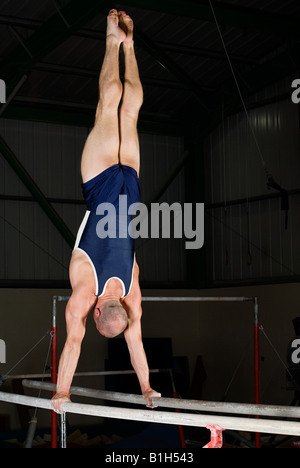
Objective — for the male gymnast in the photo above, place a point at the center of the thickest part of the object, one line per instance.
(104, 274)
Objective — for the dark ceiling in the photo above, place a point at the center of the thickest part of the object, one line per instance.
(51, 52)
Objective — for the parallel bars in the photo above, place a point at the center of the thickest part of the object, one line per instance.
(268, 426)
(278, 411)
(56, 299)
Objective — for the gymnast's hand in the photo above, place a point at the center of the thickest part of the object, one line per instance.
(58, 400)
(148, 397)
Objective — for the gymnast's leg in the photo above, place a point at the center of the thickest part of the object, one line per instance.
(131, 101)
(102, 146)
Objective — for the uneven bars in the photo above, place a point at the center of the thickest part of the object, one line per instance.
(192, 405)
(162, 417)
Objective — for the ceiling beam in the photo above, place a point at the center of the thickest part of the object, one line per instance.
(49, 36)
(173, 68)
(94, 74)
(55, 31)
(167, 63)
(226, 14)
(84, 118)
(166, 46)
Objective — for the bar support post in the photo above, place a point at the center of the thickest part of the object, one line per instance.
(54, 372)
(63, 431)
(256, 366)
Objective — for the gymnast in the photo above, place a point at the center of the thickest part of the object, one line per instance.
(104, 274)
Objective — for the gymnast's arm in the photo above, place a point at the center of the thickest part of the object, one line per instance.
(133, 337)
(76, 324)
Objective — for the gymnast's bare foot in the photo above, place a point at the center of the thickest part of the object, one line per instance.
(113, 28)
(126, 24)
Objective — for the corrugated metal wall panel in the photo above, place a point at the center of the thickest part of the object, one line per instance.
(31, 248)
(234, 171)
(161, 260)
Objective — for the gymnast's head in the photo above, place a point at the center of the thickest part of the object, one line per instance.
(110, 318)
